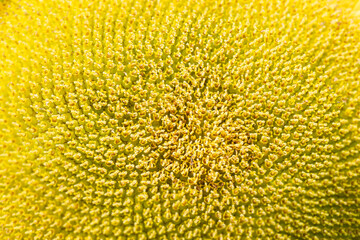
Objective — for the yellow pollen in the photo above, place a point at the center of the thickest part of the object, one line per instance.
(179, 120)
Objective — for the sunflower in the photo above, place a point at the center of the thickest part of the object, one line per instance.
(188, 119)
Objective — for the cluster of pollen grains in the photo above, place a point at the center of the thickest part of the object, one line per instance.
(190, 119)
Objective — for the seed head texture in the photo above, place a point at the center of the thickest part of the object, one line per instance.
(174, 120)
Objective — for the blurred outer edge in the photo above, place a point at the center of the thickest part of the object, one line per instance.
(357, 9)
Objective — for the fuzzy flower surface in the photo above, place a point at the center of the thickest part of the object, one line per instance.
(174, 120)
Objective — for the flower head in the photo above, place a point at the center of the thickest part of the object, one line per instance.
(159, 119)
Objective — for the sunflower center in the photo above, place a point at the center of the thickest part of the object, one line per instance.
(203, 138)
